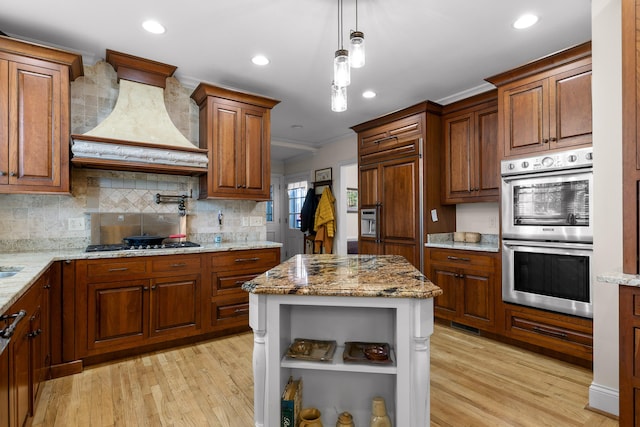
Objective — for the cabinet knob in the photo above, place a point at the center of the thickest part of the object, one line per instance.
(553, 139)
(545, 141)
(153, 288)
(2, 173)
(145, 288)
(12, 174)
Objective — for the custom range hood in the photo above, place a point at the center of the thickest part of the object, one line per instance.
(139, 135)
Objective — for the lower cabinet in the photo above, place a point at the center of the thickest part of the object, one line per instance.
(569, 335)
(629, 356)
(126, 303)
(469, 285)
(27, 358)
(4, 387)
(229, 304)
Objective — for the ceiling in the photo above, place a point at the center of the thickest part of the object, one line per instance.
(416, 49)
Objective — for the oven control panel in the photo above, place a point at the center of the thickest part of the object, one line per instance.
(579, 158)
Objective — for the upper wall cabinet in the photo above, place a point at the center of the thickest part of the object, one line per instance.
(236, 129)
(34, 117)
(546, 105)
(472, 170)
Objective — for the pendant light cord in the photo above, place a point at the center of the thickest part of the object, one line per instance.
(356, 15)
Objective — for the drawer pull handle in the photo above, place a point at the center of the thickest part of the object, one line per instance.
(248, 259)
(457, 258)
(241, 310)
(113, 270)
(544, 331)
(239, 282)
(178, 265)
(8, 332)
(388, 138)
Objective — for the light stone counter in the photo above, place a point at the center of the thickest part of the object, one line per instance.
(620, 279)
(33, 264)
(488, 243)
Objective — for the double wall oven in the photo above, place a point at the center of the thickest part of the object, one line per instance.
(547, 231)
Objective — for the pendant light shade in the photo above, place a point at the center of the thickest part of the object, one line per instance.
(341, 70)
(338, 98)
(357, 49)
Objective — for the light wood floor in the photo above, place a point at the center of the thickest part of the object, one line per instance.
(474, 382)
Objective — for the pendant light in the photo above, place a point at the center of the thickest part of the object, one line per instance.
(338, 98)
(357, 45)
(341, 68)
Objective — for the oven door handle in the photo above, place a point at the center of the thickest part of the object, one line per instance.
(528, 175)
(545, 244)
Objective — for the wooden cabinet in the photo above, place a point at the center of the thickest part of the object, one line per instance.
(28, 354)
(571, 336)
(235, 128)
(472, 169)
(126, 303)
(399, 160)
(392, 187)
(35, 100)
(629, 356)
(4, 386)
(546, 105)
(469, 284)
(229, 304)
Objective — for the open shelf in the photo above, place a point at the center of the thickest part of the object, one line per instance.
(337, 364)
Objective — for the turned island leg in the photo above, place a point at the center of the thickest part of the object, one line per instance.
(257, 321)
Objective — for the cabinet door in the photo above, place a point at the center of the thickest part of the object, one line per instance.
(4, 125)
(487, 175)
(20, 364)
(227, 128)
(37, 351)
(399, 184)
(445, 305)
(368, 247)
(4, 388)
(175, 305)
(117, 314)
(368, 186)
(459, 145)
(478, 307)
(34, 125)
(526, 118)
(570, 108)
(255, 154)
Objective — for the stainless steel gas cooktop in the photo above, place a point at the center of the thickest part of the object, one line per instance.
(123, 247)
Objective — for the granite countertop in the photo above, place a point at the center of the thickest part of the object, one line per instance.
(33, 264)
(620, 279)
(488, 243)
(345, 275)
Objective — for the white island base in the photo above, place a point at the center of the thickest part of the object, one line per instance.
(333, 387)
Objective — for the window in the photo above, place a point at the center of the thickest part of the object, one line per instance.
(269, 207)
(297, 191)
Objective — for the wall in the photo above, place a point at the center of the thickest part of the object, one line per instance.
(480, 217)
(41, 222)
(607, 166)
(341, 152)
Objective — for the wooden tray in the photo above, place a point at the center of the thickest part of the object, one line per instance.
(305, 349)
(355, 351)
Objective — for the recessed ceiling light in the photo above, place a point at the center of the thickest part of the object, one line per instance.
(525, 21)
(153, 27)
(260, 60)
(368, 94)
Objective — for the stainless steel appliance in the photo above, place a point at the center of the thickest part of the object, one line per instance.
(547, 231)
(368, 222)
(548, 197)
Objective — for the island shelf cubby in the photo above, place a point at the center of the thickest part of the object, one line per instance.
(335, 386)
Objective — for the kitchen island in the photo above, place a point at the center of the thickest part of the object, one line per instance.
(361, 298)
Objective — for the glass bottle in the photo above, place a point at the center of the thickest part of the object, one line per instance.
(379, 417)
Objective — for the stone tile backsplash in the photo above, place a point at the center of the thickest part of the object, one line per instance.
(51, 222)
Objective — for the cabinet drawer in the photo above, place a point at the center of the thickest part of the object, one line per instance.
(390, 135)
(226, 284)
(230, 311)
(461, 258)
(248, 260)
(176, 264)
(550, 332)
(116, 268)
(233, 310)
